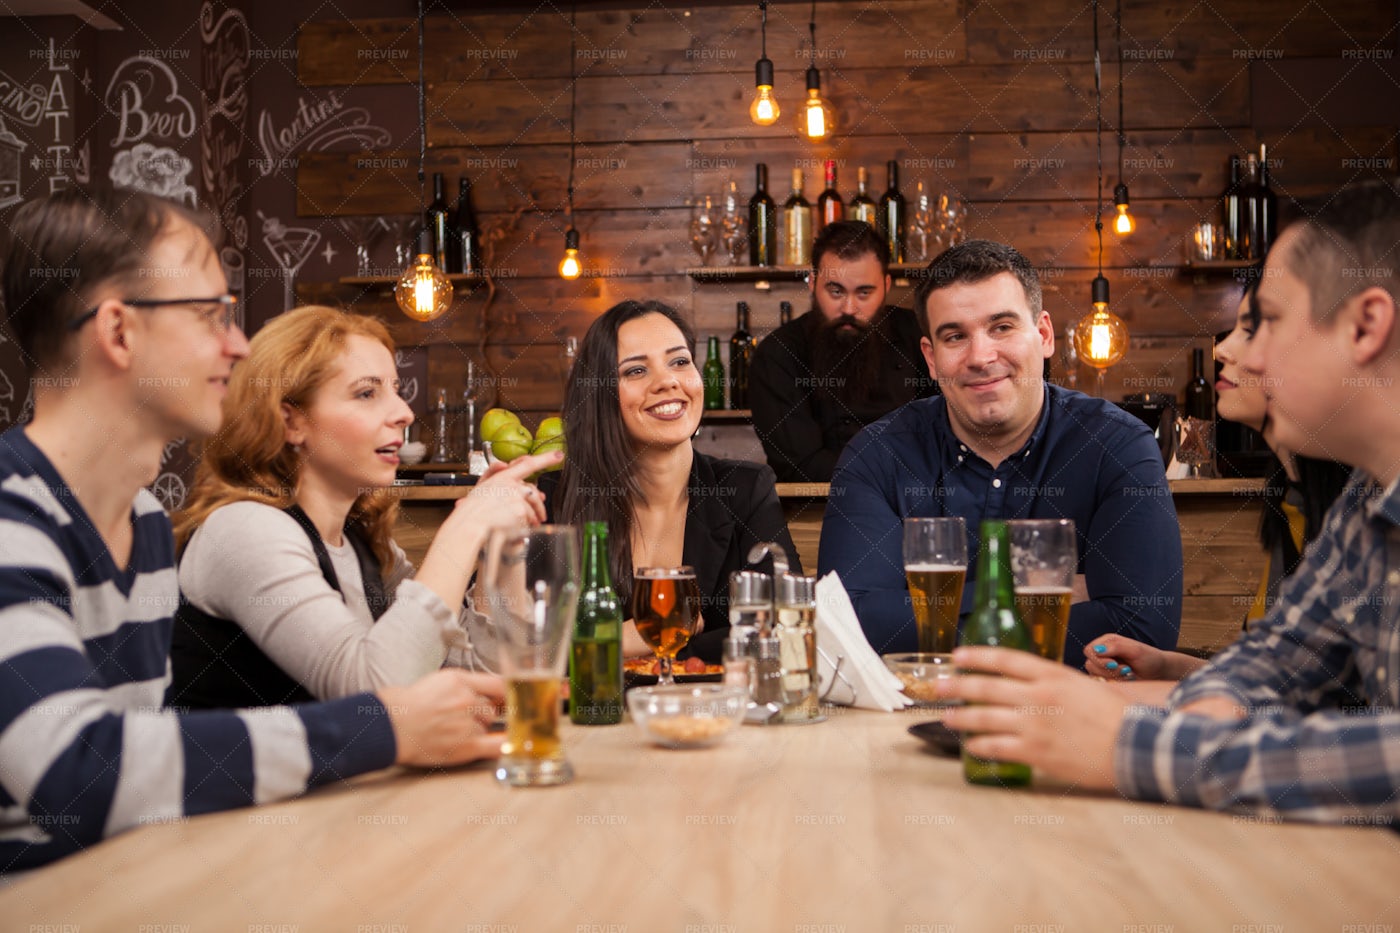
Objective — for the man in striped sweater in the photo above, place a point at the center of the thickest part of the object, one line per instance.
(121, 311)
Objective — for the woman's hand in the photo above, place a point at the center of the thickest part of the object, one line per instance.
(501, 499)
(1116, 657)
(633, 645)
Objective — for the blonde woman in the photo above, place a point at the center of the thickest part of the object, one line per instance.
(293, 588)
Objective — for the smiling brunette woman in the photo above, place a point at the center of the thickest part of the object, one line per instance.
(292, 588)
(632, 405)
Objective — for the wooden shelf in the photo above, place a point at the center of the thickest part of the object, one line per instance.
(1219, 265)
(727, 416)
(372, 281)
(764, 275)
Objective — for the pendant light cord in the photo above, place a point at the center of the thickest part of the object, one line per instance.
(1098, 118)
(573, 101)
(763, 27)
(1118, 39)
(422, 113)
(812, 25)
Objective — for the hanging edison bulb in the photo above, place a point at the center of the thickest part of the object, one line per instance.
(816, 119)
(764, 110)
(423, 292)
(1100, 337)
(1122, 224)
(570, 267)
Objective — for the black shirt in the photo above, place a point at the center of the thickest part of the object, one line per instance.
(804, 424)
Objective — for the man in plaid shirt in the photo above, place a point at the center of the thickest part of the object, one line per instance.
(1301, 717)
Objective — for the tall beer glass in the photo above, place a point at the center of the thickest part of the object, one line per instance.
(1044, 559)
(935, 564)
(666, 608)
(531, 582)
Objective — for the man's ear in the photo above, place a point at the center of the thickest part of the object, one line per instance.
(294, 423)
(926, 347)
(113, 332)
(1371, 325)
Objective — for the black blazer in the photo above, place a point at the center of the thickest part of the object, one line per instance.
(733, 506)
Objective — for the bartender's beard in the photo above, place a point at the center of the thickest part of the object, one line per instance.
(847, 358)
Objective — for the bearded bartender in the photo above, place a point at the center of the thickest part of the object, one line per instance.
(852, 359)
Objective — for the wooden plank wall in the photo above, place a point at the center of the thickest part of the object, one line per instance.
(993, 101)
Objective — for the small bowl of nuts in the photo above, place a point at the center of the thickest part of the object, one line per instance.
(919, 673)
(687, 715)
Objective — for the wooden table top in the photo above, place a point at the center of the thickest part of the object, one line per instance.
(843, 826)
(1179, 487)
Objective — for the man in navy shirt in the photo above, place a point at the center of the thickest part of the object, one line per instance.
(1000, 443)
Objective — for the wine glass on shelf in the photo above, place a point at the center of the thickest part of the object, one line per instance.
(734, 226)
(704, 228)
(952, 215)
(666, 609)
(364, 231)
(402, 228)
(923, 227)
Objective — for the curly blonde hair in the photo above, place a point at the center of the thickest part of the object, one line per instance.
(249, 458)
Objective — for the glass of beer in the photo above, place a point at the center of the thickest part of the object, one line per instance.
(1044, 559)
(531, 582)
(935, 564)
(666, 608)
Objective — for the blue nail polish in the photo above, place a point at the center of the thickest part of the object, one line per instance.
(1112, 665)
(1127, 670)
(1100, 649)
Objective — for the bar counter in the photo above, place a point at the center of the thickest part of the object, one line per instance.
(840, 826)
(1219, 521)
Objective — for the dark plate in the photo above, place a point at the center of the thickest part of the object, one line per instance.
(939, 737)
(629, 679)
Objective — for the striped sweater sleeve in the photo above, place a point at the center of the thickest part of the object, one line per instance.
(86, 751)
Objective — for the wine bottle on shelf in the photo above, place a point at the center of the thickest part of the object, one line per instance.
(763, 223)
(465, 239)
(784, 312)
(1251, 226)
(994, 621)
(861, 207)
(712, 376)
(1268, 204)
(1232, 212)
(595, 656)
(797, 227)
(741, 346)
(829, 205)
(438, 223)
(891, 218)
(1197, 400)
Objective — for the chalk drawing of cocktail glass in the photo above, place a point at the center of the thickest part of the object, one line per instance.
(291, 247)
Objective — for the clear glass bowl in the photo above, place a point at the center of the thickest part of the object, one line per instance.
(918, 672)
(687, 715)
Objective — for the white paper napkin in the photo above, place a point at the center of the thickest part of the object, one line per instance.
(852, 674)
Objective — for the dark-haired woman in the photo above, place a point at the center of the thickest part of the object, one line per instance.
(632, 405)
(1299, 492)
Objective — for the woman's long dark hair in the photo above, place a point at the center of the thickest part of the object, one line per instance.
(1319, 483)
(599, 482)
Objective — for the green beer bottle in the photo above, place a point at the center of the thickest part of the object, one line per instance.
(595, 661)
(993, 621)
(713, 375)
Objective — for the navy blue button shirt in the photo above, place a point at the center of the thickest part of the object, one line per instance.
(1087, 460)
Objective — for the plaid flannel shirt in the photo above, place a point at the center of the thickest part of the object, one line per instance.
(1317, 680)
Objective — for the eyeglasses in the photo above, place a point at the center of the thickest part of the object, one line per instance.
(219, 311)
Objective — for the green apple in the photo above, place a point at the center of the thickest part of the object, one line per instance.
(549, 428)
(549, 446)
(494, 420)
(511, 440)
